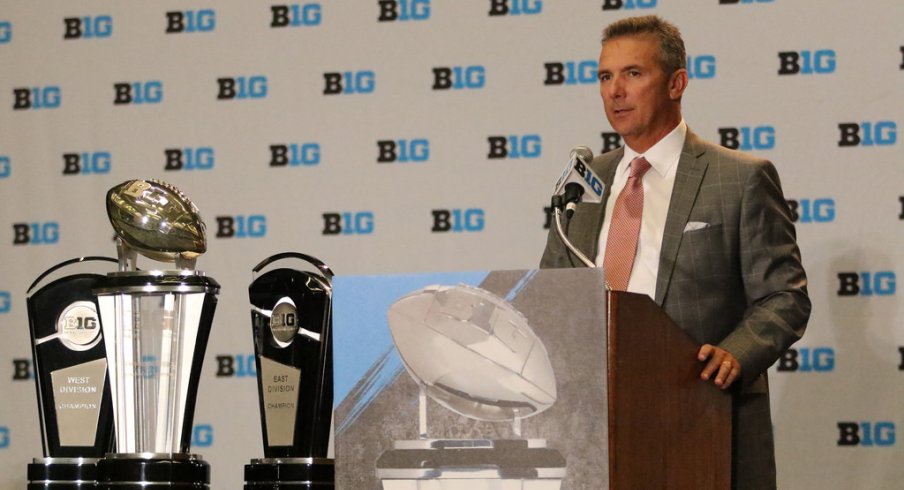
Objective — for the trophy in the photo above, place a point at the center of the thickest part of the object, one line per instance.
(70, 374)
(156, 324)
(291, 320)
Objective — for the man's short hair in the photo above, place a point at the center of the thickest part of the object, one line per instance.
(672, 55)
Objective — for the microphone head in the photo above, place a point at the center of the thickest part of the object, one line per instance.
(583, 153)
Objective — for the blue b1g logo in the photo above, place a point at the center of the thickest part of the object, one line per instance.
(866, 434)
(403, 10)
(628, 4)
(349, 82)
(812, 210)
(348, 223)
(97, 27)
(879, 133)
(807, 359)
(46, 233)
(296, 15)
(252, 87)
(85, 163)
(5, 301)
(458, 220)
(806, 62)
(204, 20)
(571, 72)
(748, 138)
(881, 283)
(295, 154)
(515, 146)
(472, 77)
(238, 366)
(701, 67)
(201, 158)
(48, 97)
(4, 437)
(403, 151)
(515, 7)
(149, 92)
(6, 32)
(250, 226)
(6, 167)
(202, 435)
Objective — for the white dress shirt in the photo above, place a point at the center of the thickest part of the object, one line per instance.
(657, 192)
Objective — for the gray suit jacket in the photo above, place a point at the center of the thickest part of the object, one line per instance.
(736, 282)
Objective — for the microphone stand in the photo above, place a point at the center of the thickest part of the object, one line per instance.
(557, 204)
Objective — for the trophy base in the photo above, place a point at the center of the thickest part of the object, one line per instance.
(152, 472)
(290, 474)
(62, 474)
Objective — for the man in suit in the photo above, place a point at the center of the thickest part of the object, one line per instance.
(712, 240)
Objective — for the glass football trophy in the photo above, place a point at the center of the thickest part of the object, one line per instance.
(474, 354)
(156, 324)
(70, 374)
(291, 316)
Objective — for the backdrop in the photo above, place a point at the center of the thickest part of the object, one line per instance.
(390, 136)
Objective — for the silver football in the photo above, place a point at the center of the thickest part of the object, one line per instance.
(157, 220)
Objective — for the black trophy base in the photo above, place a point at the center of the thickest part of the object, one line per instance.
(290, 474)
(152, 472)
(62, 474)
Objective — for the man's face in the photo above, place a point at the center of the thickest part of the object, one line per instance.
(639, 98)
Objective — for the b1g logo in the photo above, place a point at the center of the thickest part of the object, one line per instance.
(879, 133)
(22, 370)
(748, 138)
(812, 210)
(97, 27)
(87, 163)
(6, 33)
(240, 88)
(515, 146)
(732, 2)
(5, 302)
(866, 434)
(237, 366)
(188, 21)
(403, 151)
(296, 15)
(807, 359)
(628, 4)
(136, 93)
(571, 72)
(515, 7)
(611, 141)
(240, 226)
(880, 283)
(201, 158)
(807, 62)
(4, 437)
(472, 77)
(6, 167)
(48, 97)
(202, 435)
(349, 82)
(294, 155)
(403, 10)
(701, 67)
(348, 223)
(46, 233)
(458, 220)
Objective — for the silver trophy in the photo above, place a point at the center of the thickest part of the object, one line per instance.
(156, 324)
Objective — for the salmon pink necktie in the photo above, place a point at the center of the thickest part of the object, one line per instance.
(621, 245)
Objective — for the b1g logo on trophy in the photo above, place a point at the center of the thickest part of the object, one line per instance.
(156, 324)
(291, 316)
(70, 374)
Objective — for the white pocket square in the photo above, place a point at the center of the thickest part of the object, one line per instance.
(695, 225)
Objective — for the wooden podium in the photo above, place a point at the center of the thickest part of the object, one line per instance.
(667, 428)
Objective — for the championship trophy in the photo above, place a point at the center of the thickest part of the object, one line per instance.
(291, 316)
(70, 374)
(156, 324)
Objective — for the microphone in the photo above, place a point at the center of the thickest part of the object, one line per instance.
(577, 183)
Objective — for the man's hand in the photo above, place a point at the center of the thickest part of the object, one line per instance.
(721, 362)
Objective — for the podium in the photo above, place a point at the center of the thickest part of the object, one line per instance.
(519, 380)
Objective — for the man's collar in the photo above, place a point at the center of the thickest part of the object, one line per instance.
(664, 154)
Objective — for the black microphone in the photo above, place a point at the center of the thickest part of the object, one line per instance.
(578, 183)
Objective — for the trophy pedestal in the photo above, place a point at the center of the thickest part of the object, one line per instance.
(290, 474)
(445, 464)
(153, 472)
(62, 474)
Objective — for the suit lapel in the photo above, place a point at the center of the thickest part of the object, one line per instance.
(691, 169)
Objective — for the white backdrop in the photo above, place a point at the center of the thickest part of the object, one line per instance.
(816, 86)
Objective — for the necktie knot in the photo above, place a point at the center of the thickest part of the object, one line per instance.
(639, 166)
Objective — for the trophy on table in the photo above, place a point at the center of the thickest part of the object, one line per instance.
(156, 324)
(291, 315)
(71, 375)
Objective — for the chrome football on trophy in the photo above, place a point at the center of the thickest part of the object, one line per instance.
(156, 323)
(70, 374)
(291, 317)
